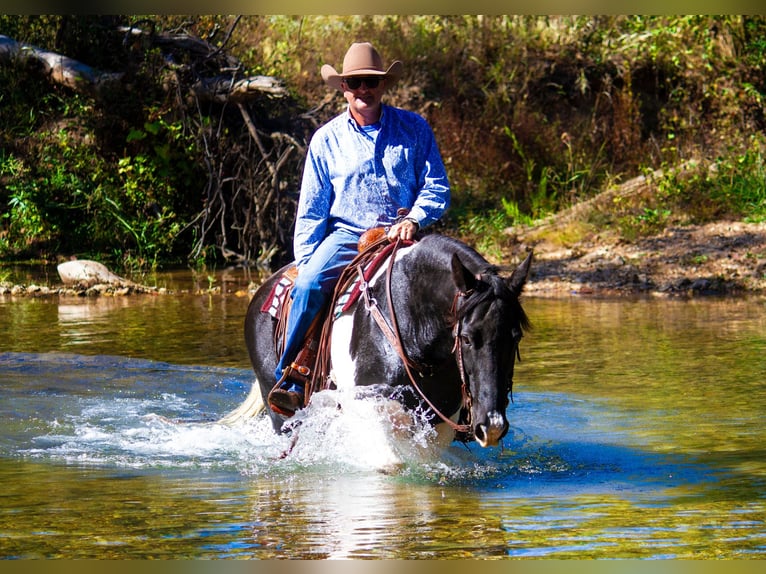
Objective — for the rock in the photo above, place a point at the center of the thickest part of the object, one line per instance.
(88, 273)
(700, 284)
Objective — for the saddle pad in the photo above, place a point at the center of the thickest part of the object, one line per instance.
(351, 294)
(276, 299)
(342, 303)
(281, 289)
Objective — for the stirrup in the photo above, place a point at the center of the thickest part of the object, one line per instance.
(299, 374)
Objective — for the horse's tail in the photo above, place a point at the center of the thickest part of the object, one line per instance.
(252, 406)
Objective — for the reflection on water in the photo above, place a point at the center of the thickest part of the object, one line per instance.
(687, 376)
(191, 329)
(637, 431)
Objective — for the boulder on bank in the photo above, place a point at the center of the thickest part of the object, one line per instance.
(86, 273)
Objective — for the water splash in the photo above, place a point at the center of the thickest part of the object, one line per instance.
(110, 411)
(124, 413)
(361, 432)
(336, 431)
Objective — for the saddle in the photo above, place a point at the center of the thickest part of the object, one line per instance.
(311, 364)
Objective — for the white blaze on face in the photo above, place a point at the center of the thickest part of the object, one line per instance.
(343, 367)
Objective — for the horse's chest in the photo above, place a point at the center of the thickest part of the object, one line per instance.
(362, 356)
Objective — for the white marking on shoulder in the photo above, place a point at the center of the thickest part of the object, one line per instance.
(343, 367)
(401, 253)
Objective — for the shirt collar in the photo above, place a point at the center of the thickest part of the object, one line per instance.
(352, 121)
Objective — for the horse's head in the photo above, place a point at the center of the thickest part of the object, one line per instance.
(488, 328)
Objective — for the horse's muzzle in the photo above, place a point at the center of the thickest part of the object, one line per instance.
(492, 430)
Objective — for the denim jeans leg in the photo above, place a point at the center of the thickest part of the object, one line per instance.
(313, 288)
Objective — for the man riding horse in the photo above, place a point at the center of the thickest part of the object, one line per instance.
(374, 165)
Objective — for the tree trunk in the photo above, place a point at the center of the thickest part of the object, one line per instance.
(60, 69)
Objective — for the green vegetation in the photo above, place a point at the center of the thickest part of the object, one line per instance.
(106, 177)
(532, 114)
(730, 186)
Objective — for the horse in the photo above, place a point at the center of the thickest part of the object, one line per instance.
(458, 322)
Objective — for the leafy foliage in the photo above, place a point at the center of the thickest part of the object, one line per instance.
(532, 114)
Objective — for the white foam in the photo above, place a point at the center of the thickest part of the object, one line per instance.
(336, 429)
(363, 433)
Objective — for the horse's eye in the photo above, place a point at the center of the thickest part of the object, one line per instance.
(466, 340)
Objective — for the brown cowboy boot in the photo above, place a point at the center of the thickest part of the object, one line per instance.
(285, 401)
(288, 395)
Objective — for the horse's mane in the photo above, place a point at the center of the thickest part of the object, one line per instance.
(471, 258)
(491, 286)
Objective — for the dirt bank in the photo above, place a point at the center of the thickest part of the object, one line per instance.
(718, 258)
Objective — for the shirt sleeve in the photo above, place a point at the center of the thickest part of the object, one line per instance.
(313, 207)
(433, 197)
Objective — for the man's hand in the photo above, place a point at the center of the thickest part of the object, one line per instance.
(405, 229)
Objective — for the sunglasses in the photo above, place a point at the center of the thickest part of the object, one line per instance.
(356, 82)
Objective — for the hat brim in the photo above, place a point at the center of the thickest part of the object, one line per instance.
(333, 79)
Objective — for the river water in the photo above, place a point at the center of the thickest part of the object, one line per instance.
(637, 432)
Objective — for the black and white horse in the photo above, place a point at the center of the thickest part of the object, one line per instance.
(460, 323)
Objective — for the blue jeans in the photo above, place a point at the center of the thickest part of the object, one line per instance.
(313, 288)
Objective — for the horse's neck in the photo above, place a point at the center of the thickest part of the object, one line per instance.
(424, 301)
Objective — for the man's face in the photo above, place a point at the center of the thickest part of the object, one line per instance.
(363, 99)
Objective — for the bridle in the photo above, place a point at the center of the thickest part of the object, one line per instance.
(457, 349)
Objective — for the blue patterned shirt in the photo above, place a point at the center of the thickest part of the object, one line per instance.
(355, 179)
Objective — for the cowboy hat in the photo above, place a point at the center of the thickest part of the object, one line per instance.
(362, 59)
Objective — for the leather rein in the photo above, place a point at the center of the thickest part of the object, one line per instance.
(393, 334)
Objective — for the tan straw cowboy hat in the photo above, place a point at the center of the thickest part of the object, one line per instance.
(362, 59)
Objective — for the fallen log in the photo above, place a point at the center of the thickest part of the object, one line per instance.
(88, 80)
(224, 89)
(61, 69)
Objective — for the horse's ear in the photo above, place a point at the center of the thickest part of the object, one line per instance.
(463, 278)
(518, 278)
